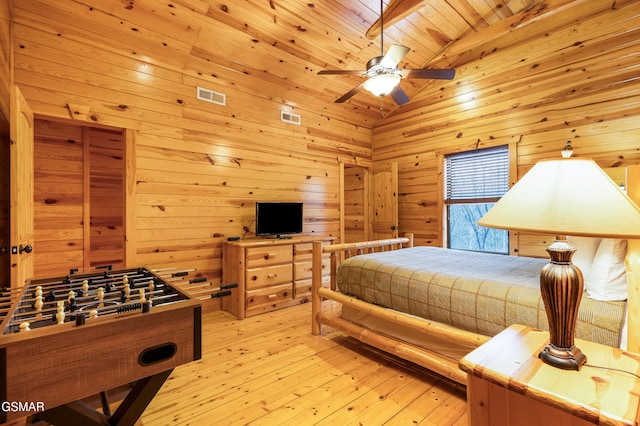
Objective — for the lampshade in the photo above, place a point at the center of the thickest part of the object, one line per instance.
(568, 196)
(382, 84)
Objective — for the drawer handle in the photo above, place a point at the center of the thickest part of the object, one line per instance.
(272, 296)
(272, 276)
(269, 256)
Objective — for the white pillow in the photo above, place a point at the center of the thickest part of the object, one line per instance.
(606, 279)
(586, 248)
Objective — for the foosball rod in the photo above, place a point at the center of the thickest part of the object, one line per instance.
(205, 291)
(182, 280)
(224, 290)
(4, 290)
(94, 282)
(73, 271)
(198, 287)
(165, 272)
(132, 305)
(92, 293)
(114, 296)
(7, 302)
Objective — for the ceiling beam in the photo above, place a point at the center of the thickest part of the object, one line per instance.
(535, 12)
(395, 11)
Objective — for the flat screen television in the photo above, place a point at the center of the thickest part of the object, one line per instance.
(278, 219)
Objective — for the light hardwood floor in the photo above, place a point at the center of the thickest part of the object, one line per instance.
(269, 369)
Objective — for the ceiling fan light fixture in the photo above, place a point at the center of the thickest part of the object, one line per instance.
(382, 84)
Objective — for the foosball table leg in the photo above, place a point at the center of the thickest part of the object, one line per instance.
(104, 400)
(78, 413)
(138, 399)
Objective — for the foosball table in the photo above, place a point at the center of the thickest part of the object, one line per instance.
(68, 338)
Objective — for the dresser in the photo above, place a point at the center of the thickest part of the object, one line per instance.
(271, 273)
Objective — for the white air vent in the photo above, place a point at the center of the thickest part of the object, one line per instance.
(211, 96)
(289, 117)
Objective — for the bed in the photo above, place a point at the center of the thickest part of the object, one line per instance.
(390, 314)
(437, 323)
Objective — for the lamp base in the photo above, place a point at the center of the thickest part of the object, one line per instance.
(565, 358)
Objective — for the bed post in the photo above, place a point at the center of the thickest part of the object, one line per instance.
(409, 244)
(633, 268)
(316, 283)
(633, 297)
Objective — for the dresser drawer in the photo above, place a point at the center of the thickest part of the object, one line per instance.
(268, 296)
(304, 269)
(302, 288)
(268, 276)
(268, 255)
(303, 251)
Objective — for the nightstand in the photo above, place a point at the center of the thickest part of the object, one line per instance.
(509, 385)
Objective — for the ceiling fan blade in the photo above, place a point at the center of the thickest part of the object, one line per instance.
(429, 73)
(394, 55)
(395, 11)
(399, 96)
(335, 72)
(350, 93)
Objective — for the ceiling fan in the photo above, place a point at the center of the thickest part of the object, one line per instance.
(383, 74)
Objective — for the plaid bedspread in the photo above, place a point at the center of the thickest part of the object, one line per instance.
(478, 292)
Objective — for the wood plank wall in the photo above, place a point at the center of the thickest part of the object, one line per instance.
(579, 84)
(5, 238)
(5, 65)
(200, 167)
(5, 82)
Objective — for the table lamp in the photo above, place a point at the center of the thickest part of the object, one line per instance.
(567, 196)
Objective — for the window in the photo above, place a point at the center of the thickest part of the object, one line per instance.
(473, 182)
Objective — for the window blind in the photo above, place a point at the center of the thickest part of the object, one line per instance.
(476, 176)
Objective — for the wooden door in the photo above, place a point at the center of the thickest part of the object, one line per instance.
(78, 196)
(21, 188)
(357, 225)
(384, 194)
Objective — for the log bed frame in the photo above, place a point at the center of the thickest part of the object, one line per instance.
(432, 359)
(425, 357)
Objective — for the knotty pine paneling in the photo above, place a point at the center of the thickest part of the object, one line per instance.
(5, 65)
(5, 81)
(5, 201)
(200, 167)
(211, 44)
(571, 77)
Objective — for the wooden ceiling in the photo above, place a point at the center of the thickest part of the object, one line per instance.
(274, 48)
